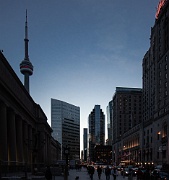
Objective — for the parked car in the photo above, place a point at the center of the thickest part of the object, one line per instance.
(154, 174)
(163, 175)
(158, 174)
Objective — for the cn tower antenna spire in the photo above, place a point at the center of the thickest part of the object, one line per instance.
(26, 66)
(26, 38)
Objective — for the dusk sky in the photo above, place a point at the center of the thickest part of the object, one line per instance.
(81, 50)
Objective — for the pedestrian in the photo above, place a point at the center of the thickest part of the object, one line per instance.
(147, 174)
(99, 171)
(91, 172)
(139, 174)
(48, 174)
(114, 173)
(130, 176)
(107, 173)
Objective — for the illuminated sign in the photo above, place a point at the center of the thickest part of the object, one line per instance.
(159, 7)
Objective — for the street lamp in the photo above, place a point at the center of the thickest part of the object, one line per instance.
(160, 147)
(66, 153)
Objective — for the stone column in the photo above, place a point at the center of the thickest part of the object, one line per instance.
(25, 142)
(19, 139)
(30, 145)
(42, 148)
(48, 155)
(11, 136)
(3, 133)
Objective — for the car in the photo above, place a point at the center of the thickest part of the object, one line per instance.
(154, 173)
(163, 175)
(158, 174)
(134, 171)
(158, 167)
(125, 172)
(119, 168)
(143, 170)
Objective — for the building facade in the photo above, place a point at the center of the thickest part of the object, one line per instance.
(96, 123)
(25, 135)
(146, 143)
(85, 140)
(103, 154)
(109, 123)
(156, 90)
(65, 122)
(127, 118)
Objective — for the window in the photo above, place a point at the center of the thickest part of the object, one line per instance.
(166, 58)
(157, 155)
(165, 129)
(160, 73)
(159, 65)
(166, 93)
(158, 136)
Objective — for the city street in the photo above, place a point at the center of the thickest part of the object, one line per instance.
(83, 175)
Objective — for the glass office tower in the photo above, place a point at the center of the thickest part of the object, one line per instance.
(96, 123)
(65, 122)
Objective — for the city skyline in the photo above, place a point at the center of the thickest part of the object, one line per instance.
(80, 50)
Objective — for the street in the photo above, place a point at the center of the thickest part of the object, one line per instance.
(83, 175)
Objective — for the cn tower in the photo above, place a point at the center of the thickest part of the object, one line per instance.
(26, 66)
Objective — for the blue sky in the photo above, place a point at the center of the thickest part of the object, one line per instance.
(81, 50)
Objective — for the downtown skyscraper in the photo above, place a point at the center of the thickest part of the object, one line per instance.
(109, 110)
(85, 144)
(96, 126)
(146, 142)
(156, 90)
(65, 122)
(126, 120)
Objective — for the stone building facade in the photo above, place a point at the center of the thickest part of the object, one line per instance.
(147, 143)
(25, 135)
(126, 124)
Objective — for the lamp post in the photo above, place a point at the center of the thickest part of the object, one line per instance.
(123, 155)
(160, 149)
(66, 152)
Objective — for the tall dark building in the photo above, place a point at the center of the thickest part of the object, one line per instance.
(25, 135)
(127, 110)
(96, 122)
(146, 141)
(156, 89)
(109, 123)
(85, 140)
(127, 116)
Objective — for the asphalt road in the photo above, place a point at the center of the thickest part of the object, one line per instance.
(83, 175)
